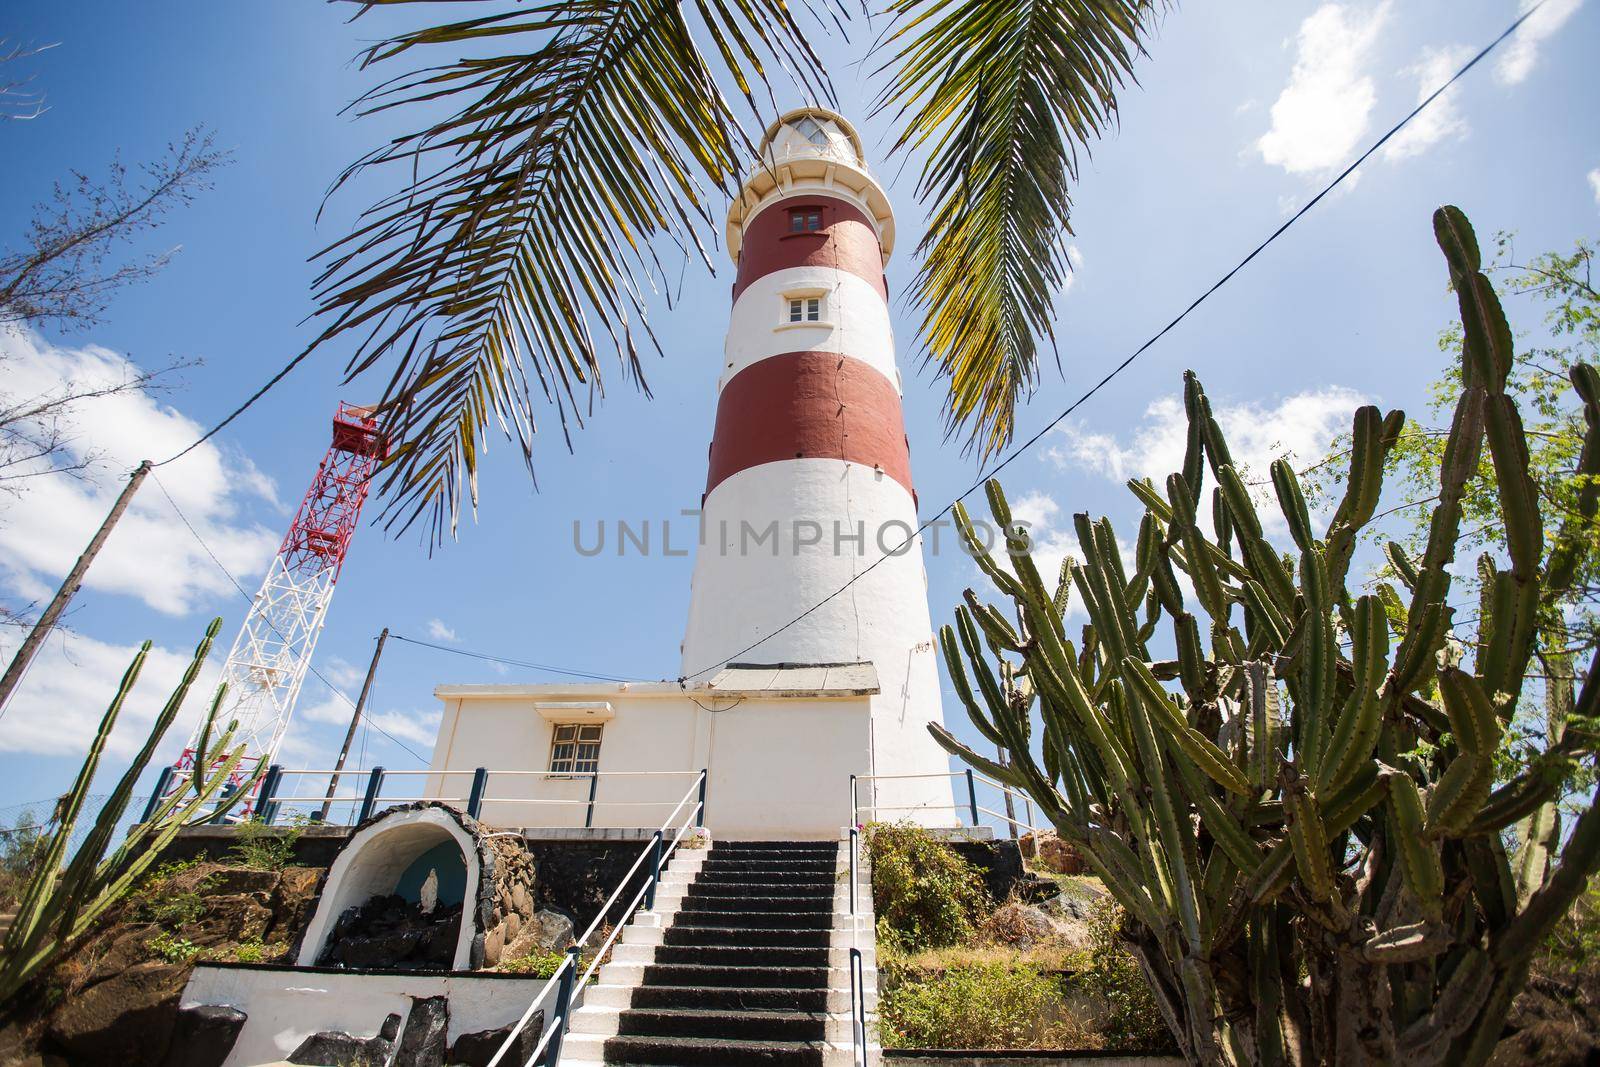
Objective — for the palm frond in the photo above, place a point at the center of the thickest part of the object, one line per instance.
(521, 249)
(1001, 96)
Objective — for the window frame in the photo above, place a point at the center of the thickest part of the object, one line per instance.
(575, 764)
(804, 220)
(803, 310)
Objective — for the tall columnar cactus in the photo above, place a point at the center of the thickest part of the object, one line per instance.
(64, 899)
(1298, 808)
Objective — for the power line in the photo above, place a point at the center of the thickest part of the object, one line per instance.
(1157, 336)
(248, 599)
(512, 662)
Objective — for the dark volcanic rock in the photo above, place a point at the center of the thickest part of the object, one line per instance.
(422, 1043)
(329, 1049)
(202, 1036)
(126, 1019)
(477, 1049)
(387, 932)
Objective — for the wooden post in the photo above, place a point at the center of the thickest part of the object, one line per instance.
(69, 587)
(350, 734)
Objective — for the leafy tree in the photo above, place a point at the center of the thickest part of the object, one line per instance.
(579, 135)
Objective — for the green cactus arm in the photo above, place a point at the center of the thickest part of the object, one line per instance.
(26, 928)
(1540, 833)
(1572, 542)
(950, 744)
(957, 672)
(1206, 755)
(1371, 438)
(1292, 502)
(1356, 732)
(1401, 564)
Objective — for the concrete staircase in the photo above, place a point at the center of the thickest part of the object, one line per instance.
(745, 960)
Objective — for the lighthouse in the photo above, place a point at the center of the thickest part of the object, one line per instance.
(809, 483)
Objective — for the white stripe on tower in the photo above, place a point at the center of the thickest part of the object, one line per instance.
(810, 474)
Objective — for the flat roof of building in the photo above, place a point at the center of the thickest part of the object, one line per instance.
(831, 680)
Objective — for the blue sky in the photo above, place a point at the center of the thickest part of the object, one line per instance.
(1242, 112)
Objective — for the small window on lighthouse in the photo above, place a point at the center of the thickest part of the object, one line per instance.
(575, 748)
(805, 220)
(805, 309)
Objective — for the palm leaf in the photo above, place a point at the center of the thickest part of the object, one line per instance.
(521, 248)
(1001, 95)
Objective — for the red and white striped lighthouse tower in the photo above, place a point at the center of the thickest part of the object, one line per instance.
(810, 469)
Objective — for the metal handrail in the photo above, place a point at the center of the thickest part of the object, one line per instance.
(365, 802)
(564, 980)
(858, 980)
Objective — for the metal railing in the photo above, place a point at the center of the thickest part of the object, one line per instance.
(369, 797)
(973, 810)
(858, 979)
(566, 983)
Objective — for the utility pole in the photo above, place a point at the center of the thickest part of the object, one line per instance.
(350, 734)
(69, 587)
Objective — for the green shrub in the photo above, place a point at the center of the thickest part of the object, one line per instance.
(989, 1006)
(250, 952)
(172, 948)
(263, 847)
(924, 894)
(1111, 975)
(536, 965)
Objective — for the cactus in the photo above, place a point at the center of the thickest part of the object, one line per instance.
(64, 899)
(1299, 810)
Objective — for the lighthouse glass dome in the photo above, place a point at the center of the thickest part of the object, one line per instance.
(813, 132)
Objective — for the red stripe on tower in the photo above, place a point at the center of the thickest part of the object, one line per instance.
(846, 241)
(809, 405)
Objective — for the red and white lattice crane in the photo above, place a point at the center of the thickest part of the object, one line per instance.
(272, 653)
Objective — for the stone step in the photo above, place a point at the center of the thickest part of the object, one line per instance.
(739, 955)
(707, 887)
(754, 905)
(738, 998)
(723, 848)
(622, 972)
(724, 955)
(764, 1024)
(695, 1051)
(814, 919)
(723, 935)
(792, 866)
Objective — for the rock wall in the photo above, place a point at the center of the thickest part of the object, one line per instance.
(114, 1000)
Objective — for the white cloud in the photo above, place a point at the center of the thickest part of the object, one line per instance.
(418, 728)
(1594, 183)
(342, 673)
(150, 555)
(1299, 427)
(58, 707)
(1440, 119)
(1320, 116)
(439, 631)
(1075, 258)
(1521, 52)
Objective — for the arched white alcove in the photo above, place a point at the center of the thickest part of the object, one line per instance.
(372, 862)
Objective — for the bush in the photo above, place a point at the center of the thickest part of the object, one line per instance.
(172, 948)
(1111, 975)
(991, 1006)
(536, 965)
(263, 847)
(924, 894)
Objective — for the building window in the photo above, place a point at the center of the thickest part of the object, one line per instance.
(813, 131)
(805, 220)
(805, 309)
(575, 748)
